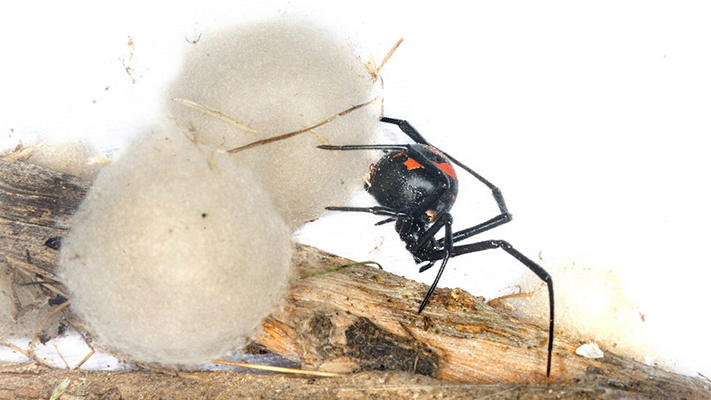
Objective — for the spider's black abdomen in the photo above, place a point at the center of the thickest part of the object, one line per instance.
(402, 180)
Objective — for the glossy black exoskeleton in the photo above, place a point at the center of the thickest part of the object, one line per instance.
(416, 186)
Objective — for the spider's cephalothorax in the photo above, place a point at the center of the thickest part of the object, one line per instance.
(415, 186)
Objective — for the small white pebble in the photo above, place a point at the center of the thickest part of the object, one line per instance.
(589, 350)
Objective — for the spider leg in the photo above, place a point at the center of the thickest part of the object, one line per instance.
(482, 227)
(365, 147)
(445, 255)
(428, 266)
(424, 240)
(386, 221)
(377, 210)
(504, 216)
(407, 129)
(535, 268)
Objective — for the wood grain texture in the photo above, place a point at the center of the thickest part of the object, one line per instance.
(353, 320)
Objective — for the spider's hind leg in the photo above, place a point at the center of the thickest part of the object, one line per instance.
(530, 264)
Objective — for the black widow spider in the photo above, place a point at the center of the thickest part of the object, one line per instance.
(416, 186)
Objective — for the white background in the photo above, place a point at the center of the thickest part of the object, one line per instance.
(592, 118)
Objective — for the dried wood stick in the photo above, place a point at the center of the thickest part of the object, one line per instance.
(352, 320)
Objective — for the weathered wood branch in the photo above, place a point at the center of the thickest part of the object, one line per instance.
(353, 320)
(33, 382)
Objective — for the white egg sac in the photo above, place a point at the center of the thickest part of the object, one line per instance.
(279, 76)
(176, 254)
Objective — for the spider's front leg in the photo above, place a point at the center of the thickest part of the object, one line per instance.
(407, 129)
(444, 221)
(377, 210)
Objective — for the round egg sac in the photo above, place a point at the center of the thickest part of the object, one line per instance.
(177, 254)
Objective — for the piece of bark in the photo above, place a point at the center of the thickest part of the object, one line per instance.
(361, 318)
(36, 205)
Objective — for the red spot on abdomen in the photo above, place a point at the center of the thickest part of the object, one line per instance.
(447, 169)
(412, 164)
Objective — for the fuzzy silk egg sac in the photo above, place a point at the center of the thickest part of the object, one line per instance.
(176, 254)
(278, 76)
